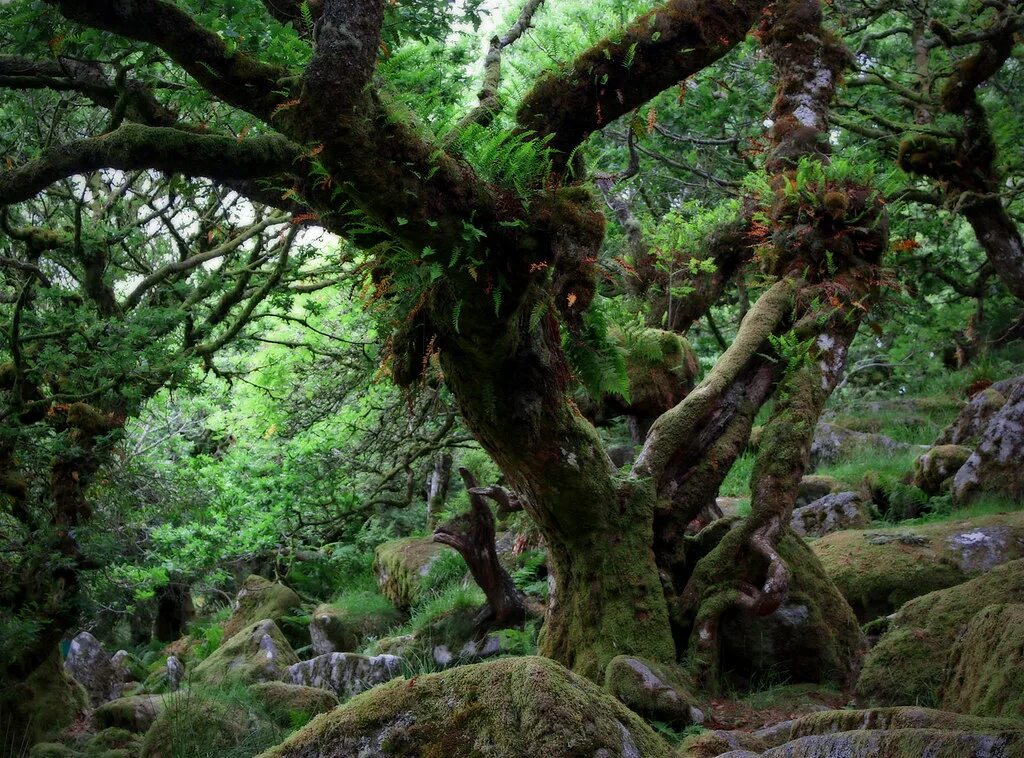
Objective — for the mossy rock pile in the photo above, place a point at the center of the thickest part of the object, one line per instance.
(259, 652)
(909, 662)
(260, 599)
(513, 707)
(343, 628)
(986, 665)
(46, 702)
(136, 713)
(402, 567)
(879, 570)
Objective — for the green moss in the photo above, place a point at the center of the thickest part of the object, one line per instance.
(986, 665)
(260, 599)
(907, 665)
(46, 702)
(51, 750)
(113, 739)
(657, 691)
(509, 707)
(402, 567)
(134, 713)
(351, 618)
(258, 652)
(879, 570)
(285, 701)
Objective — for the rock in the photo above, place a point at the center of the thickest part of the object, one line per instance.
(995, 466)
(843, 510)
(655, 691)
(127, 667)
(338, 629)
(814, 487)
(175, 673)
(933, 471)
(879, 571)
(972, 419)
(622, 455)
(731, 506)
(812, 637)
(344, 674)
(259, 652)
(512, 707)
(832, 443)
(282, 700)
(986, 665)
(90, 665)
(259, 599)
(908, 663)
(401, 567)
(112, 742)
(47, 701)
(192, 724)
(136, 713)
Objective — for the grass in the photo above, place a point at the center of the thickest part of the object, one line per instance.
(737, 481)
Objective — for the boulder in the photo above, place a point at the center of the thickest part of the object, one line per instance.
(812, 637)
(878, 571)
(259, 652)
(402, 566)
(933, 471)
(986, 665)
(831, 513)
(48, 700)
(813, 487)
(112, 742)
(344, 674)
(281, 700)
(972, 419)
(136, 713)
(127, 667)
(90, 665)
(832, 443)
(512, 707)
(343, 627)
(656, 691)
(995, 466)
(193, 724)
(908, 664)
(259, 599)
(175, 673)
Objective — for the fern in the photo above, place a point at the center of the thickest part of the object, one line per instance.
(598, 362)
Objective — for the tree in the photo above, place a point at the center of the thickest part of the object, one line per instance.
(481, 247)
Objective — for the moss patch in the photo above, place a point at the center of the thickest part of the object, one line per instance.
(986, 665)
(135, 713)
(658, 692)
(907, 665)
(402, 566)
(258, 652)
(511, 707)
(46, 702)
(113, 739)
(259, 599)
(283, 700)
(342, 625)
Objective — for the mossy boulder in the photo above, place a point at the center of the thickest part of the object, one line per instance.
(512, 707)
(92, 667)
(986, 665)
(47, 701)
(259, 652)
(193, 723)
(908, 663)
(972, 418)
(128, 667)
(259, 599)
(52, 750)
(402, 566)
(995, 465)
(833, 443)
(661, 367)
(281, 700)
(831, 513)
(812, 637)
(877, 571)
(933, 471)
(658, 692)
(136, 713)
(815, 486)
(343, 627)
(113, 741)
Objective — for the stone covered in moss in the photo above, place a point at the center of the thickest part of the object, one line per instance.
(344, 674)
(933, 471)
(113, 739)
(995, 465)
(128, 667)
(513, 707)
(833, 443)
(91, 666)
(402, 566)
(259, 652)
(878, 571)
(831, 513)
(908, 663)
(136, 713)
(973, 418)
(46, 702)
(815, 486)
(986, 665)
(281, 700)
(259, 599)
(51, 750)
(656, 691)
(194, 724)
(335, 629)
(812, 637)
